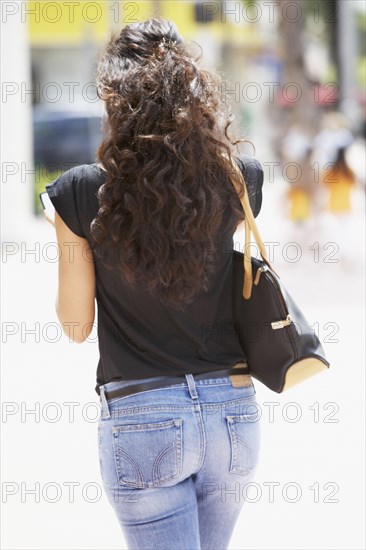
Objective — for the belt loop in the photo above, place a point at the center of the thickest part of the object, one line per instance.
(105, 413)
(191, 386)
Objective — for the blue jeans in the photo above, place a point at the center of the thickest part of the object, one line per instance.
(175, 461)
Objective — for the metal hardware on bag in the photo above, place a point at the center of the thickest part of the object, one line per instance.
(259, 272)
(280, 324)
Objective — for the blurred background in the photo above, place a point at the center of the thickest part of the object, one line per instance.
(294, 72)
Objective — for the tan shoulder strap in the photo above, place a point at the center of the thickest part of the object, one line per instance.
(250, 227)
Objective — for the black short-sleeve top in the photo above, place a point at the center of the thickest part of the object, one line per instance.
(138, 336)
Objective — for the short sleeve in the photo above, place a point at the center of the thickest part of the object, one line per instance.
(63, 195)
(253, 175)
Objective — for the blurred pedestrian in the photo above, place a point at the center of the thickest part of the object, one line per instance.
(296, 154)
(339, 181)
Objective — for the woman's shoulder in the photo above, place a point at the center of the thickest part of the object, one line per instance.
(92, 172)
(79, 183)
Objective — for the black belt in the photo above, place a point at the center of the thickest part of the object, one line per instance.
(170, 380)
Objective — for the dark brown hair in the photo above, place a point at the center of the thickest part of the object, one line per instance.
(167, 184)
(340, 164)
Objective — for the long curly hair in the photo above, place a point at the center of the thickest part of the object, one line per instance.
(167, 187)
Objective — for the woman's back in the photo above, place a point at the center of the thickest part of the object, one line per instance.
(139, 337)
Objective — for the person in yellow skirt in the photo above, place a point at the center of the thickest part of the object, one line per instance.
(300, 197)
(339, 180)
(302, 188)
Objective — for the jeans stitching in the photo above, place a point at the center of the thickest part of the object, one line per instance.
(176, 444)
(175, 408)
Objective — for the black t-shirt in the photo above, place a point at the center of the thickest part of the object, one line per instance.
(139, 337)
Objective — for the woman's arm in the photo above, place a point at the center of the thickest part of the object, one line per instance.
(75, 300)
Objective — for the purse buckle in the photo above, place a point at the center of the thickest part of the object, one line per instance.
(280, 324)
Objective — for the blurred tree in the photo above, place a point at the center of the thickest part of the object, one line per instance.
(303, 112)
(293, 20)
(296, 115)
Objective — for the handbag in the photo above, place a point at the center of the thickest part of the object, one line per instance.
(281, 348)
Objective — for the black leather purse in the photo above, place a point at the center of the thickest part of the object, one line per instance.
(281, 348)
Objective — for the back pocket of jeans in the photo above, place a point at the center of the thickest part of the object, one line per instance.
(244, 433)
(149, 454)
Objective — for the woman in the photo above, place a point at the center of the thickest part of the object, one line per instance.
(340, 181)
(148, 232)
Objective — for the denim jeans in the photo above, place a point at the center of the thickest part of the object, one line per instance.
(175, 461)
